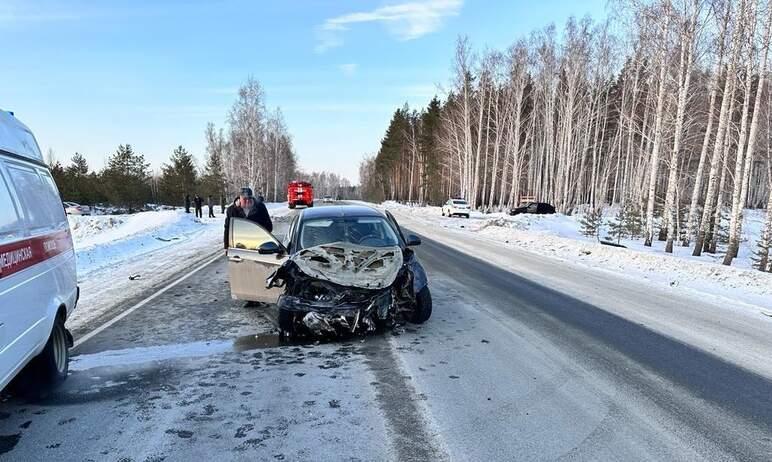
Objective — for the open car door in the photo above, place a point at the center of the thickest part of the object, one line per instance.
(253, 255)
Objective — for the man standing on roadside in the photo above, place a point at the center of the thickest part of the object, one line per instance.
(210, 204)
(198, 202)
(246, 207)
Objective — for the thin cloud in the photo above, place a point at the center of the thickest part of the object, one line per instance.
(348, 69)
(405, 21)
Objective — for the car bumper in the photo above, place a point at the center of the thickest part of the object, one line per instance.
(332, 318)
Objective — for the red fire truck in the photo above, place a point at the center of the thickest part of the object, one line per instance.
(300, 193)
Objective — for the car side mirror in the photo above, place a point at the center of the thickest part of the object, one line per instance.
(413, 240)
(268, 248)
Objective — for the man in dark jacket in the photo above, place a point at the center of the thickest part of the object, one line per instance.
(246, 207)
(198, 202)
(210, 204)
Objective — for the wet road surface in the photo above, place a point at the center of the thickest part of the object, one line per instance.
(505, 369)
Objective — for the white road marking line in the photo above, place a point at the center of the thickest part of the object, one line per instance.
(144, 302)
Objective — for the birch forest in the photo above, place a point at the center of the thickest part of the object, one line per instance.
(255, 150)
(664, 110)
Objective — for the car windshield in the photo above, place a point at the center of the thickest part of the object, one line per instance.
(368, 231)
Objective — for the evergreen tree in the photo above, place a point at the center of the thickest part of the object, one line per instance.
(592, 221)
(389, 157)
(178, 177)
(78, 186)
(429, 156)
(213, 180)
(616, 227)
(633, 220)
(60, 177)
(78, 167)
(761, 255)
(125, 179)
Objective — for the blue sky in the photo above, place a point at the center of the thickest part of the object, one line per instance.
(89, 75)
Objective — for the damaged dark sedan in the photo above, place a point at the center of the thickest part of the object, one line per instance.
(340, 269)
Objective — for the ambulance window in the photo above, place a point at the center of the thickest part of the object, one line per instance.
(10, 224)
(55, 198)
(38, 202)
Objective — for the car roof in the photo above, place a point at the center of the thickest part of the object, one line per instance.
(16, 138)
(335, 211)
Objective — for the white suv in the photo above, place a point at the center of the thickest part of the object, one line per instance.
(455, 207)
(38, 284)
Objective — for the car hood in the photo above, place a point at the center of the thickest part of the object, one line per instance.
(351, 265)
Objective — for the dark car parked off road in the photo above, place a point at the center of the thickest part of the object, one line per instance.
(538, 208)
(339, 269)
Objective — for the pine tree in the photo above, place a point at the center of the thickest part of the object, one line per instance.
(633, 221)
(60, 178)
(125, 179)
(616, 227)
(430, 167)
(178, 177)
(592, 221)
(213, 179)
(79, 166)
(77, 184)
(761, 255)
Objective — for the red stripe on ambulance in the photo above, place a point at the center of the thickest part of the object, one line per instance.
(23, 254)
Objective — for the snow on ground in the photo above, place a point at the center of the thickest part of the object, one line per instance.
(558, 236)
(120, 257)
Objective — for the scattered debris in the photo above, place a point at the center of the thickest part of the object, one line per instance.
(613, 244)
(334, 403)
(181, 433)
(135, 276)
(485, 341)
(167, 239)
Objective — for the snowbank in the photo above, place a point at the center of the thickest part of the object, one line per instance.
(105, 240)
(558, 236)
(122, 256)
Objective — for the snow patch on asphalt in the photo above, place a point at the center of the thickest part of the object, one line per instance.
(141, 355)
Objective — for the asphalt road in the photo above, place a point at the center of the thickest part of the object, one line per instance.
(506, 369)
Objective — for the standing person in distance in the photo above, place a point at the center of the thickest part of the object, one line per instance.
(210, 204)
(198, 202)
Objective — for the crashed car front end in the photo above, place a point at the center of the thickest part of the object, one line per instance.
(342, 288)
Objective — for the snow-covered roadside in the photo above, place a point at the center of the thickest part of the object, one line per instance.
(557, 236)
(121, 256)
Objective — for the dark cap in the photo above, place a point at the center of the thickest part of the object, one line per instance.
(246, 192)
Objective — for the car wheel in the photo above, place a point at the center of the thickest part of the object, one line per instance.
(51, 366)
(467, 215)
(423, 306)
(292, 206)
(287, 321)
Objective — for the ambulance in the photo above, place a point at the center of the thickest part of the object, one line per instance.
(38, 284)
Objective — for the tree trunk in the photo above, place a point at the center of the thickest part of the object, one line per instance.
(743, 178)
(658, 120)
